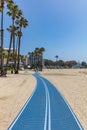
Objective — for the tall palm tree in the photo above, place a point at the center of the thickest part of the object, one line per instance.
(36, 57)
(32, 61)
(1, 37)
(23, 23)
(12, 12)
(10, 29)
(39, 57)
(1, 34)
(41, 50)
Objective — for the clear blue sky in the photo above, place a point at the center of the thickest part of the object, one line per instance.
(60, 26)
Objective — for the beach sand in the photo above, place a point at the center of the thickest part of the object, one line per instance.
(72, 83)
(14, 92)
(16, 89)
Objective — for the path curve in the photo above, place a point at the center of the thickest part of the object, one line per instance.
(46, 109)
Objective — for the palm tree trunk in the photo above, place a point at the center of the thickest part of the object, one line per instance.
(11, 40)
(14, 57)
(9, 51)
(18, 54)
(1, 67)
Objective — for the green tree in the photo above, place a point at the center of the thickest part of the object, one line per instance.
(36, 58)
(84, 64)
(22, 23)
(70, 63)
(41, 50)
(61, 63)
(10, 29)
(12, 12)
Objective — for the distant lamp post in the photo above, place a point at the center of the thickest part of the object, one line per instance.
(1, 37)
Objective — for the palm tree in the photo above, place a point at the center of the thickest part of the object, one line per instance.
(13, 9)
(22, 23)
(41, 50)
(32, 59)
(10, 29)
(39, 57)
(1, 34)
(1, 37)
(36, 57)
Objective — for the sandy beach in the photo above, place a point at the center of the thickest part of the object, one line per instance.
(16, 89)
(14, 92)
(72, 83)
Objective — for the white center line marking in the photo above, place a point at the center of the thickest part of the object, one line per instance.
(48, 111)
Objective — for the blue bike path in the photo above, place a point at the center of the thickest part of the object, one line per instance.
(46, 110)
(32, 116)
(62, 116)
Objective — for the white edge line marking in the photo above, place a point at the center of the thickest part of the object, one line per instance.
(76, 119)
(15, 120)
(49, 113)
(45, 124)
(48, 99)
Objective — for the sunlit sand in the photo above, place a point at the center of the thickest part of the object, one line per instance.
(72, 83)
(16, 89)
(14, 92)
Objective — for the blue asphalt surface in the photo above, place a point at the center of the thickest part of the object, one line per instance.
(62, 117)
(46, 110)
(33, 116)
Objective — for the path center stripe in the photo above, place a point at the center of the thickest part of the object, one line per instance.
(48, 111)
